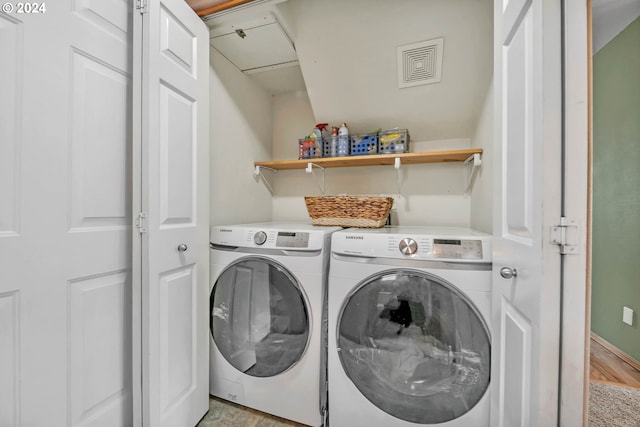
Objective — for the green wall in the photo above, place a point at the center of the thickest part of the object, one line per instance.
(616, 190)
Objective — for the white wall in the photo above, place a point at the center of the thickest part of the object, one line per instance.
(241, 131)
(293, 119)
(347, 52)
(431, 194)
(482, 191)
(348, 56)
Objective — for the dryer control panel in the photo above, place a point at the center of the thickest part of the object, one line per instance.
(438, 248)
(448, 245)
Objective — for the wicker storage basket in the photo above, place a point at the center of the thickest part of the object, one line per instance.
(349, 211)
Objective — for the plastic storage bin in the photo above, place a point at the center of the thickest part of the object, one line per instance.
(362, 145)
(394, 141)
(309, 148)
(330, 146)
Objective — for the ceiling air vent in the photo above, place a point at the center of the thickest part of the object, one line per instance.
(420, 63)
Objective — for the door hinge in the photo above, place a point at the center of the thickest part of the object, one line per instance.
(142, 6)
(141, 222)
(565, 235)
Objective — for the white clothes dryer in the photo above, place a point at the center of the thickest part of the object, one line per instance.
(267, 294)
(409, 334)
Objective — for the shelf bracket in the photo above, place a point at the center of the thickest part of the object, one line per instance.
(471, 166)
(309, 169)
(397, 165)
(257, 173)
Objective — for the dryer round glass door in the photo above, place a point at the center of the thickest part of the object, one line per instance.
(415, 346)
(259, 318)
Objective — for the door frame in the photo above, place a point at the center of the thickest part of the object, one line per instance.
(136, 207)
(577, 124)
(574, 356)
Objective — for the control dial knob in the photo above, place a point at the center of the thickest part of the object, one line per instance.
(260, 237)
(408, 246)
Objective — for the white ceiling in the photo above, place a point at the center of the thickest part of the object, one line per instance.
(273, 77)
(281, 80)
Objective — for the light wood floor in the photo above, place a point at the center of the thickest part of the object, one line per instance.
(608, 368)
(605, 367)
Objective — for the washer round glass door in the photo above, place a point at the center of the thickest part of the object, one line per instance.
(259, 318)
(415, 346)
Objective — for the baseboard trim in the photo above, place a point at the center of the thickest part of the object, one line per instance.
(615, 350)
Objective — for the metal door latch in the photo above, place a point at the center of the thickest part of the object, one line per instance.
(141, 222)
(142, 6)
(566, 236)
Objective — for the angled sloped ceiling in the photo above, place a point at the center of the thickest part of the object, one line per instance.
(610, 17)
(347, 51)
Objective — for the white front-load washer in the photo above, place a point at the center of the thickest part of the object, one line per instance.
(409, 335)
(267, 294)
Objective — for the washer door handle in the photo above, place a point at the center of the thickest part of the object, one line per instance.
(508, 272)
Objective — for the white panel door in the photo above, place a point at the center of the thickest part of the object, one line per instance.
(526, 307)
(65, 221)
(175, 265)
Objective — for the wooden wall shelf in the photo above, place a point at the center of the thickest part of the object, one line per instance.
(375, 159)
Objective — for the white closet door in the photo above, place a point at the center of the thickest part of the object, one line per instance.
(527, 278)
(175, 264)
(65, 214)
